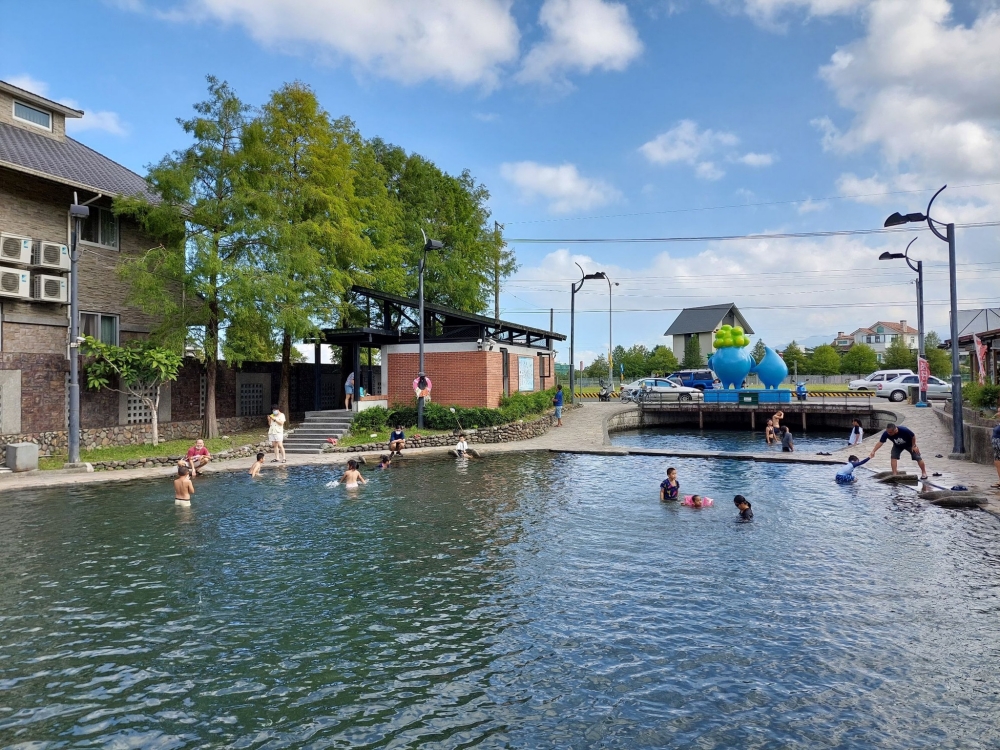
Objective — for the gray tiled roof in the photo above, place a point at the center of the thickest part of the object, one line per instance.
(69, 162)
(705, 319)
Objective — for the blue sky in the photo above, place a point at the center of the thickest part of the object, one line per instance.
(631, 112)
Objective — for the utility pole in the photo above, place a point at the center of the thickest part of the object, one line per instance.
(497, 231)
(78, 213)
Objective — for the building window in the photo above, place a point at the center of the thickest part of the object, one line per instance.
(37, 117)
(252, 399)
(100, 228)
(137, 411)
(104, 328)
(878, 339)
(868, 339)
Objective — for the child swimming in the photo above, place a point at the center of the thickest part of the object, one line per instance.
(384, 462)
(183, 487)
(697, 501)
(255, 469)
(670, 487)
(744, 507)
(846, 473)
(352, 477)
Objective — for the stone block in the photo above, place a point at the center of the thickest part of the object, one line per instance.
(22, 456)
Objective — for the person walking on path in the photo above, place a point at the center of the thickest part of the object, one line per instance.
(903, 439)
(276, 433)
(857, 433)
(557, 401)
(349, 391)
(996, 448)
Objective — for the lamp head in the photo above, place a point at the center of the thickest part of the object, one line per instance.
(79, 212)
(433, 245)
(891, 256)
(596, 275)
(898, 219)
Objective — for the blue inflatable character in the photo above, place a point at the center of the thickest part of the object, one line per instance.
(731, 361)
(772, 369)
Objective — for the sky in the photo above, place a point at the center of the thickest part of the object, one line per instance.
(600, 120)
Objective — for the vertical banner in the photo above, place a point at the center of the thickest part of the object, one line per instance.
(923, 372)
(980, 348)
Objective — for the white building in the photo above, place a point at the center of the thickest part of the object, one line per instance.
(879, 336)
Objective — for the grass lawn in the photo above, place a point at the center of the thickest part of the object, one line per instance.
(169, 448)
(383, 437)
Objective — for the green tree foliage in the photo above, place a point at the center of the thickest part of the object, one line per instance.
(795, 358)
(824, 360)
(692, 353)
(139, 369)
(451, 209)
(758, 351)
(860, 359)
(898, 356)
(939, 361)
(931, 340)
(662, 361)
(596, 369)
(200, 210)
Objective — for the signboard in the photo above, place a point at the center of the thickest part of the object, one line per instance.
(525, 373)
(923, 372)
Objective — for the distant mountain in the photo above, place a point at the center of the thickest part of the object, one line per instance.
(811, 342)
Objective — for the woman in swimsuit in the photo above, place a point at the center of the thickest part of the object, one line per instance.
(352, 477)
(769, 437)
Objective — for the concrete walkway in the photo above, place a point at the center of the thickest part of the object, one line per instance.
(584, 432)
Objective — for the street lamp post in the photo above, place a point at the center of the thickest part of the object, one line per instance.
(574, 288)
(422, 375)
(897, 219)
(603, 275)
(919, 268)
(78, 213)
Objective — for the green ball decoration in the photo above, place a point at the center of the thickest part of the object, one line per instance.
(737, 330)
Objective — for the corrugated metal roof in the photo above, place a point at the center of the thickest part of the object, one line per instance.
(68, 162)
(705, 319)
(978, 321)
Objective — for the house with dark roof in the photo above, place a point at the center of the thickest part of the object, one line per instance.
(703, 322)
(42, 170)
(880, 335)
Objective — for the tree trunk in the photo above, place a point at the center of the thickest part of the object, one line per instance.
(210, 425)
(286, 374)
(154, 407)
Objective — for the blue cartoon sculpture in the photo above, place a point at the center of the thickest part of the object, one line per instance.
(771, 369)
(731, 361)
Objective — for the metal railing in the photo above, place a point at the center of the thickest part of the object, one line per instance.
(850, 401)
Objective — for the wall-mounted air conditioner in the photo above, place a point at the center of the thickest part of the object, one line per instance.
(15, 249)
(50, 288)
(50, 255)
(15, 282)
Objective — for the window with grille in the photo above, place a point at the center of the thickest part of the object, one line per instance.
(201, 402)
(137, 411)
(252, 399)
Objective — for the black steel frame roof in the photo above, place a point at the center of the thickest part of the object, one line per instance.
(442, 324)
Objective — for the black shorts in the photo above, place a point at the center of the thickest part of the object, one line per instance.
(897, 451)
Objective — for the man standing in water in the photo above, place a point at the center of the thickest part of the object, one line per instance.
(902, 439)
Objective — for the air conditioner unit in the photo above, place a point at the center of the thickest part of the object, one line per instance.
(50, 288)
(15, 283)
(15, 249)
(50, 255)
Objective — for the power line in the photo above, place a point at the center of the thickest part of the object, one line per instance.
(735, 237)
(886, 303)
(748, 205)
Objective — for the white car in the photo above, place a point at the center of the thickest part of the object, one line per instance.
(666, 390)
(898, 389)
(879, 376)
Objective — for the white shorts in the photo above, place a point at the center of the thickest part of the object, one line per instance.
(272, 439)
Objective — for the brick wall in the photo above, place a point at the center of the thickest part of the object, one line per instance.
(459, 378)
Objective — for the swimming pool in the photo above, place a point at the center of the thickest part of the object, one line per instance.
(534, 600)
(730, 441)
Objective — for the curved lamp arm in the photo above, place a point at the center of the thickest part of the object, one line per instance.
(906, 255)
(578, 285)
(931, 222)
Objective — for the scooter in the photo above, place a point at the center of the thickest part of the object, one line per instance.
(800, 390)
(605, 393)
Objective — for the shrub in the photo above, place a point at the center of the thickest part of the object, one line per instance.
(981, 396)
(370, 420)
(440, 417)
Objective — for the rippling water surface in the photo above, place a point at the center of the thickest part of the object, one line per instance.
(543, 601)
(742, 441)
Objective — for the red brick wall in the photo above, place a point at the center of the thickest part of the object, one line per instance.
(459, 378)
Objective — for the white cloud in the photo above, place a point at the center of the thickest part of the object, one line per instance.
(461, 42)
(104, 121)
(685, 143)
(486, 116)
(810, 206)
(869, 190)
(770, 13)
(563, 186)
(582, 35)
(924, 90)
(756, 160)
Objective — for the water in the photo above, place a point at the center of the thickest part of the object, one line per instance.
(541, 601)
(731, 441)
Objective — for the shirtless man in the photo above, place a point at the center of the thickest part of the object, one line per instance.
(183, 487)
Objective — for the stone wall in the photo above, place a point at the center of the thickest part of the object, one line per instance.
(507, 433)
(50, 443)
(978, 439)
(244, 451)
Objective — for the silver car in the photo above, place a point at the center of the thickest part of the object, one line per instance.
(665, 390)
(898, 389)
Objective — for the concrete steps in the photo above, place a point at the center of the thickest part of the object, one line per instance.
(311, 435)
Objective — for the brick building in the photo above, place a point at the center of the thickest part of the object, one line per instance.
(471, 360)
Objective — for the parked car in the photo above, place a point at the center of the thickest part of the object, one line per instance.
(700, 379)
(898, 389)
(666, 389)
(879, 376)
